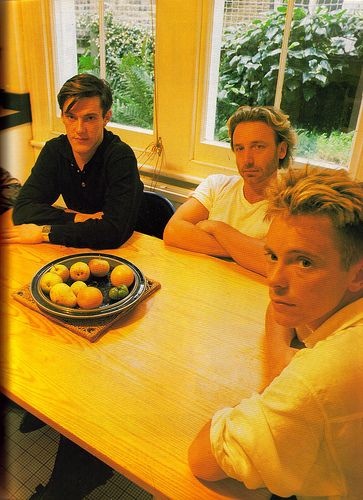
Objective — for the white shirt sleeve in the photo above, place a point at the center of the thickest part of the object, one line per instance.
(277, 440)
(205, 193)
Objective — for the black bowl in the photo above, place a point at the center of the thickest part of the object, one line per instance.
(108, 307)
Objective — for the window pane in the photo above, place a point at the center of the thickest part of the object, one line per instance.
(323, 80)
(323, 68)
(249, 58)
(126, 31)
(88, 42)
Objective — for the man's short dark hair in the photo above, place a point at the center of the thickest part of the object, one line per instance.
(85, 85)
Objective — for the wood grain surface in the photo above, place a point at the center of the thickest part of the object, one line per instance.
(137, 396)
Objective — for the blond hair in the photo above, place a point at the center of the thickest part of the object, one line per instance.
(323, 191)
(274, 118)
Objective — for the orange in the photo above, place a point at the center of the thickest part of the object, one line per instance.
(99, 267)
(89, 297)
(77, 285)
(122, 275)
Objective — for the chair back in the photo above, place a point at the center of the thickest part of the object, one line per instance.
(155, 212)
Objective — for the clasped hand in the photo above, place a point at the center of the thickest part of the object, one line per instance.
(209, 226)
(32, 233)
(24, 233)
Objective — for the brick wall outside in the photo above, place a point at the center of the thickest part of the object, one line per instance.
(244, 11)
(135, 12)
(236, 11)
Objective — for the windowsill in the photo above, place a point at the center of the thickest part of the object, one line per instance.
(178, 187)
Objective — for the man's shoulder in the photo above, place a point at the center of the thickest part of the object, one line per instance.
(113, 143)
(58, 144)
(339, 353)
(55, 150)
(222, 180)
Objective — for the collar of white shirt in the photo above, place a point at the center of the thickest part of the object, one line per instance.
(346, 317)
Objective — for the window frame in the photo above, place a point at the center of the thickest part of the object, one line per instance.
(183, 48)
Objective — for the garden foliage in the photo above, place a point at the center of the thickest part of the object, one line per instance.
(129, 66)
(324, 64)
(323, 68)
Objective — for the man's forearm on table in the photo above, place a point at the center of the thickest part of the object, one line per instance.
(188, 236)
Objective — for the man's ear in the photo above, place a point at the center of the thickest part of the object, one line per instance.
(282, 150)
(356, 284)
(107, 117)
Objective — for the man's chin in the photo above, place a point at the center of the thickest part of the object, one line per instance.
(285, 320)
(80, 146)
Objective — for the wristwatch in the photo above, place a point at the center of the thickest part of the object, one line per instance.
(45, 233)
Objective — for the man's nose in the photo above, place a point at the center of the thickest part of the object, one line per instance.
(79, 125)
(277, 277)
(248, 157)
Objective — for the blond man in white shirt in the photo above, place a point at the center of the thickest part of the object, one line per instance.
(303, 434)
(225, 215)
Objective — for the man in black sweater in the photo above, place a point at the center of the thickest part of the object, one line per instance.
(97, 176)
(91, 168)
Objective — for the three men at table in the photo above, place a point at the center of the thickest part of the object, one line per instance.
(225, 215)
(96, 174)
(303, 434)
(90, 167)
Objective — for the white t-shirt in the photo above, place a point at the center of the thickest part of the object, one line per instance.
(222, 195)
(303, 435)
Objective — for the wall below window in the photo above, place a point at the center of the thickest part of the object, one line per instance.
(16, 153)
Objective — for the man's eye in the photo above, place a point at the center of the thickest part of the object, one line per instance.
(304, 262)
(271, 256)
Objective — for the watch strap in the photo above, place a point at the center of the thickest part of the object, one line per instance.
(45, 233)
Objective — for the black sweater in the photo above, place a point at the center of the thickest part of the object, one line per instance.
(109, 183)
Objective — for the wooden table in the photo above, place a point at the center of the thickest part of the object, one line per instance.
(137, 396)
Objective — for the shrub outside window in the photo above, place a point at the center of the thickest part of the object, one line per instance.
(112, 43)
(210, 57)
(305, 58)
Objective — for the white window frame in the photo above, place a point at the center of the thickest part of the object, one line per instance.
(183, 49)
(207, 149)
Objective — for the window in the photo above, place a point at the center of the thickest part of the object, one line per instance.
(188, 39)
(114, 40)
(303, 58)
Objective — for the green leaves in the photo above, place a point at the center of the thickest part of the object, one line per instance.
(135, 103)
(129, 67)
(325, 52)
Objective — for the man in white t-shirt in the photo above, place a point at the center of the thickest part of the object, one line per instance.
(302, 435)
(225, 215)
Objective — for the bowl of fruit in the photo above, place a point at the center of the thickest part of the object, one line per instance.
(88, 285)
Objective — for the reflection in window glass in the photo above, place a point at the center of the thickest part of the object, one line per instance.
(120, 31)
(323, 68)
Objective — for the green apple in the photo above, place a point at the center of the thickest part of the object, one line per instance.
(48, 280)
(62, 294)
(61, 270)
